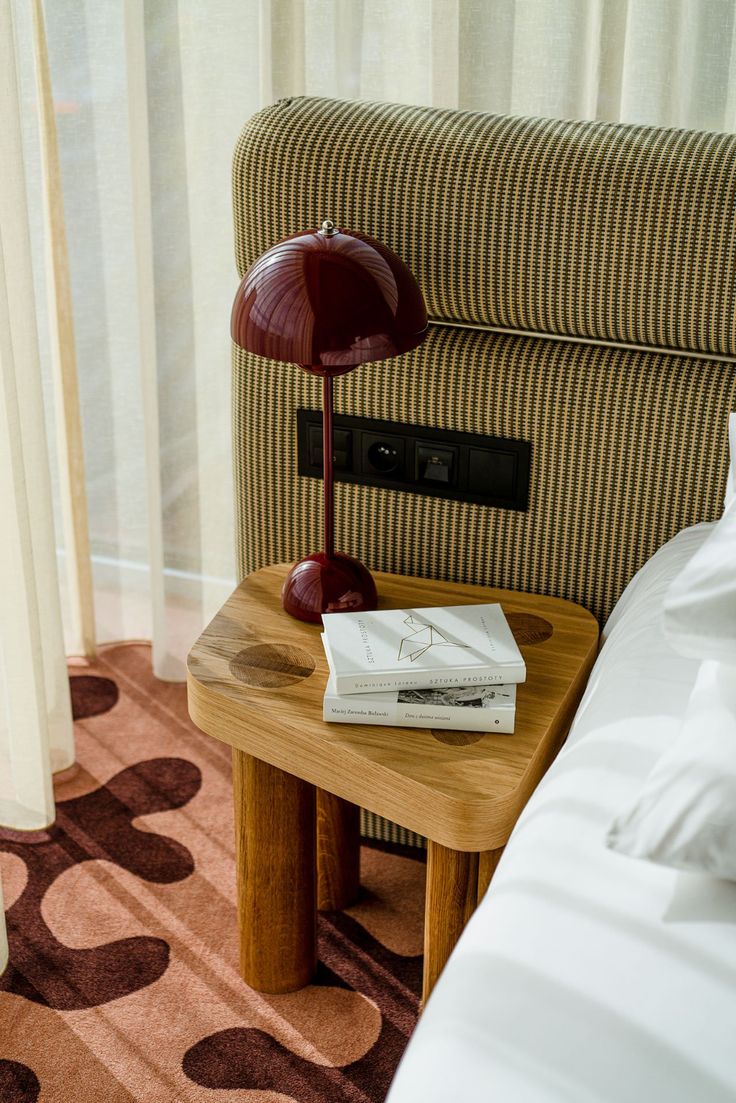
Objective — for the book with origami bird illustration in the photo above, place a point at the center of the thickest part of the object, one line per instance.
(454, 646)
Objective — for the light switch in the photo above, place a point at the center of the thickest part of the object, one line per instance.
(341, 447)
(491, 472)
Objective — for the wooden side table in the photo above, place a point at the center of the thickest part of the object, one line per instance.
(256, 678)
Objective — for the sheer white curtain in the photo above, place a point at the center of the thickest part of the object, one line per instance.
(148, 99)
(35, 717)
(35, 714)
(148, 102)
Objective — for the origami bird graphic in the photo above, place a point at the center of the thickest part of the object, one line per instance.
(420, 638)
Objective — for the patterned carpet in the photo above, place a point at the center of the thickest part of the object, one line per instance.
(123, 983)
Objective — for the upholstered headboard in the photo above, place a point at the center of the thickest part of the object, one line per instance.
(581, 281)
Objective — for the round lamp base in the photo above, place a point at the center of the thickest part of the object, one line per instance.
(324, 583)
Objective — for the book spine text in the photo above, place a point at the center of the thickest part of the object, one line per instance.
(381, 682)
(500, 720)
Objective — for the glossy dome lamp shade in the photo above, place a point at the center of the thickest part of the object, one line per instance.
(328, 300)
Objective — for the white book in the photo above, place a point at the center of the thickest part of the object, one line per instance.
(467, 708)
(459, 645)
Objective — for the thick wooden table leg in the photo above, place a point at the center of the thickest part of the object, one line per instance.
(452, 894)
(487, 862)
(338, 852)
(275, 840)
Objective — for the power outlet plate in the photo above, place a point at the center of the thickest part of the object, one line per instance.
(442, 463)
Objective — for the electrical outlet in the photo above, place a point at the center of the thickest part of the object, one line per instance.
(383, 454)
(443, 463)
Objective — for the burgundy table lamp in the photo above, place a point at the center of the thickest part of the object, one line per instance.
(328, 300)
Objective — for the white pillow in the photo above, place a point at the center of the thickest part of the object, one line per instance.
(700, 604)
(685, 816)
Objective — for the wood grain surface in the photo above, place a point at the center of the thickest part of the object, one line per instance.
(271, 666)
(277, 871)
(338, 852)
(452, 896)
(455, 738)
(487, 862)
(466, 796)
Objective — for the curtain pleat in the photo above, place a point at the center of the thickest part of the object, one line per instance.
(729, 111)
(35, 713)
(282, 47)
(70, 449)
(444, 60)
(166, 665)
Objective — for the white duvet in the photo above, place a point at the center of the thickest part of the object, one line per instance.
(585, 975)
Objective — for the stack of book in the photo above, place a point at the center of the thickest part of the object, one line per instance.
(453, 667)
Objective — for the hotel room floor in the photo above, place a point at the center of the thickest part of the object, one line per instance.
(123, 983)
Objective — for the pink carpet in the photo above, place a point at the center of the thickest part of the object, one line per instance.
(123, 983)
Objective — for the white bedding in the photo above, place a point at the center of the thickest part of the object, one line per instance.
(585, 975)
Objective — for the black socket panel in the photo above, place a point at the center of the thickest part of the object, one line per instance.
(469, 467)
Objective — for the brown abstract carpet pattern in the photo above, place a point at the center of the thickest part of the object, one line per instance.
(123, 981)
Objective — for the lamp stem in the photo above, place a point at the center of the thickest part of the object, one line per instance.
(327, 448)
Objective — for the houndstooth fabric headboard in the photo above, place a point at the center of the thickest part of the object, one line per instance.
(580, 278)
